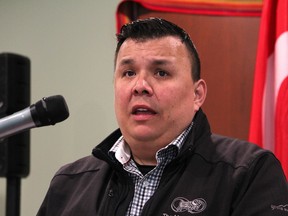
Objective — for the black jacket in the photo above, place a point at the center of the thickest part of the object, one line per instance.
(212, 175)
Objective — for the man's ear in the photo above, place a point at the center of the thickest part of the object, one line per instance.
(200, 91)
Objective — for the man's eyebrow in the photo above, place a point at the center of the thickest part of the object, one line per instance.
(161, 62)
(126, 61)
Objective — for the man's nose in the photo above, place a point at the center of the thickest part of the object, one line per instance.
(142, 87)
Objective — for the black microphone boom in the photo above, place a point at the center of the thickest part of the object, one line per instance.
(48, 111)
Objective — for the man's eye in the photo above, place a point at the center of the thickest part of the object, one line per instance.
(162, 73)
(129, 73)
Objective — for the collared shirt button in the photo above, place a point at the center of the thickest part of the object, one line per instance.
(145, 183)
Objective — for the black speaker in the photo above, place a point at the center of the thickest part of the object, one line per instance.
(14, 96)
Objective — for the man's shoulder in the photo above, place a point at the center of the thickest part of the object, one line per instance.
(82, 165)
(235, 152)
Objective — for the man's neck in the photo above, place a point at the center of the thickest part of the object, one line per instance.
(148, 161)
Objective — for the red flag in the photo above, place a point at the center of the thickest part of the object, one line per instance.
(269, 113)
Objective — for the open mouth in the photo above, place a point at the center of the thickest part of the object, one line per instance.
(143, 111)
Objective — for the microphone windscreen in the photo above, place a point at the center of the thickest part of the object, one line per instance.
(49, 110)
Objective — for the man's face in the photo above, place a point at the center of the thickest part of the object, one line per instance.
(154, 91)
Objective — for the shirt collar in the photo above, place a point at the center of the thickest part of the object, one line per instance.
(121, 150)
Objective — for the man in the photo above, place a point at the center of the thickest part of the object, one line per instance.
(163, 159)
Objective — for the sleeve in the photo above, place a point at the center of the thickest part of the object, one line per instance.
(43, 208)
(52, 202)
(264, 190)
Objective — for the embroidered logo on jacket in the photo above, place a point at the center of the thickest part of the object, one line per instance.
(280, 207)
(181, 204)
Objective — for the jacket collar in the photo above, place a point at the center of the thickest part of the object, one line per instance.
(200, 131)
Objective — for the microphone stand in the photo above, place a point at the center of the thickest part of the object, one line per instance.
(16, 162)
(13, 195)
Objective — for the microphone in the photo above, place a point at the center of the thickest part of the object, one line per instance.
(48, 111)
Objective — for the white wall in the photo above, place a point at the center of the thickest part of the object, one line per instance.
(71, 46)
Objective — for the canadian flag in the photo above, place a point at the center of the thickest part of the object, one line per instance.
(269, 113)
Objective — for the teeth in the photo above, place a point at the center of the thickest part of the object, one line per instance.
(142, 110)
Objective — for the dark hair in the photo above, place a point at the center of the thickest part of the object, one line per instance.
(151, 28)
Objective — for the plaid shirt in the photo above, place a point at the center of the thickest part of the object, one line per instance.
(145, 186)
